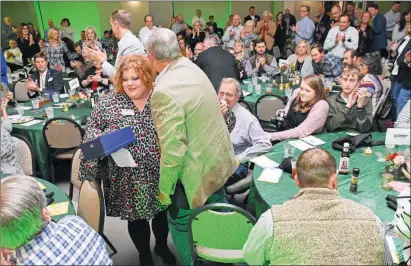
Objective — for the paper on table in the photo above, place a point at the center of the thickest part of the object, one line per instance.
(33, 122)
(246, 93)
(123, 158)
(301, 145)
(65, 95)
(58, 208)
(246, 81)
(11, 117)
(313, 141)
(264, 162)
(398, 186)
(271, 175)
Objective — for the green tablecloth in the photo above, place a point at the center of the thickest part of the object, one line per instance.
(34, 134)
(263, 194)
(59, 196)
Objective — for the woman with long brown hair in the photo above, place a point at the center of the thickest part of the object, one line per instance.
(306, 112)
(365, 34)
(26, 43)
(131, 193)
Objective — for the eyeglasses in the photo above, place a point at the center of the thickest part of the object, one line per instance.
(227, 95)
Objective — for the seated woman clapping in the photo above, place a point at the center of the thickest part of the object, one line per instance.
(302, 59)
(351, 108)
(306, 111)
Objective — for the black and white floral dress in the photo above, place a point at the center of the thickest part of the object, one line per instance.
(130, 193)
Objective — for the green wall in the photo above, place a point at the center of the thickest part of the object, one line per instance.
(219, 9)
(80, 14)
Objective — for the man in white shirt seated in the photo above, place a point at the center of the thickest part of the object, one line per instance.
(261, 62)
(145, 31)
(14, 57)
(198, 17)
(341, 38)
(30, 237)
(247, 137)
(232, 32)
(44, 79)
(317, 226)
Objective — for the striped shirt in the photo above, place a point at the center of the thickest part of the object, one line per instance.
(331, 67)
(373, 85)
(69, 242)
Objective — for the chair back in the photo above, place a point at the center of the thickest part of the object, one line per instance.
(384, 105)
(267, 106)
(25, 154)
(245, 105)
(218, 232)
(75, 168)
(62, 133)
(20, 91)
(91, 204)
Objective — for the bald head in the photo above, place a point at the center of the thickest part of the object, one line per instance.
(236, 20)
(316, 168)
(336, 12)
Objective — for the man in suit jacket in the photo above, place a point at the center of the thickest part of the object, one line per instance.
(196, 152)
(379, 28)
(290, 20)
(321, 20)
(44, 79)
(252, 16)
(217, 63)
(120, 21)
(266, 29)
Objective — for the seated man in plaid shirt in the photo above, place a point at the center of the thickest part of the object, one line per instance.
(29, 237)
(326, 65)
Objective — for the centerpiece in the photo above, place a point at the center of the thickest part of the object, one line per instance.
(395, 169)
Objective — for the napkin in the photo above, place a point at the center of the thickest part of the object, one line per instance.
(301, 145)
(58, 208)
(246, 93)
(271, 175)
(313, 141)
(264, 162)
(33, 122)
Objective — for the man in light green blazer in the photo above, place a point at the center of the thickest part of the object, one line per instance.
(196, 151)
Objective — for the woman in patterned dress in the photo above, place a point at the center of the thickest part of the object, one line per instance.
(55, 49)
(131, 193)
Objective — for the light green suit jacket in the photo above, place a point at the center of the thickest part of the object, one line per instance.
(193, 136)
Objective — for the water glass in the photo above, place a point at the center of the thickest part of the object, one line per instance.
(264, 78)
(258, 89)
(287, 149)
(35, 103)
(254, 79)
(268, 87)
(19, 108)
(71, 92)
(56, 97)
(250, 87)
(293, 168)
(50, 112)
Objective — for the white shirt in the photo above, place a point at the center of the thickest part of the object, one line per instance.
(144, 32)
(18, 56)
(400, 49)
(338, 49)
(195, 19)
(43, 80)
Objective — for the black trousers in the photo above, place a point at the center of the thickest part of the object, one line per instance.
(139, 231)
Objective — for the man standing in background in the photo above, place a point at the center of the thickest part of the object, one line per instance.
(145, 31)
(289, 20)
(379, 30)
(198, 17)
(252, 16)
(50, 22)
(393, 17)
(304, 30)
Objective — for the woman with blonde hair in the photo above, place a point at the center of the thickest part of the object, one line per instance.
(306, 112)
(91, 40)
(302, 59)
(55, 49)
(247, 34)
(241, 57)
(131, 193)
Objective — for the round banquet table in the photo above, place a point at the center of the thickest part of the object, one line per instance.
(34, 133)
(263, 195)
(59, 196)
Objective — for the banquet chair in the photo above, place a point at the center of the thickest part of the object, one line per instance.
(74, 173)
(217, 232)
(266, 107)
(62, 136)
(25, 154)
(240, 187)
(20, 91)
(91, 207)
(245, 105)
(383, 108)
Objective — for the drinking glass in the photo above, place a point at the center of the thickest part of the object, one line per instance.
(50, 112)
(287, 149)
(293, 168)
(268, 87)
(327, 85)
(264, 77)
(258, 89)
(19, 108)
(36, 103)
(71, 92)
(56, 97)
(254, 79)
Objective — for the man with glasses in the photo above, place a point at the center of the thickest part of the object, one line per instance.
(304, 30)
(248, 138)
(144, 31)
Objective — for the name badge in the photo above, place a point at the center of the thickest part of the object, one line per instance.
(127, 112)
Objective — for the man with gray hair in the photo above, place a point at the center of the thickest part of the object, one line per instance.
(196, 152)
(232, 33)
(216, 62)
(247, 137)
(120, 21)
(30, 237)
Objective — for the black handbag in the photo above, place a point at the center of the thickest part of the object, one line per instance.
(361, 140)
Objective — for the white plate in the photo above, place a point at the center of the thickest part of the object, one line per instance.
(25, 108)
(352, 134)
(60, 105)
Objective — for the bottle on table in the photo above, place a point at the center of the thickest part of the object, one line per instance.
(344, 160)
(354, 180)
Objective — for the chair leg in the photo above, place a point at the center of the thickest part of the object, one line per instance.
(110, 245)
(53, 181)
(71, 191)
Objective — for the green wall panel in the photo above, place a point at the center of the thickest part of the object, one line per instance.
(80, 14)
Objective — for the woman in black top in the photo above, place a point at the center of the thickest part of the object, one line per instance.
(26, 43)
(197, 35)
(364, 34)
(33, 31)
(280, 33)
